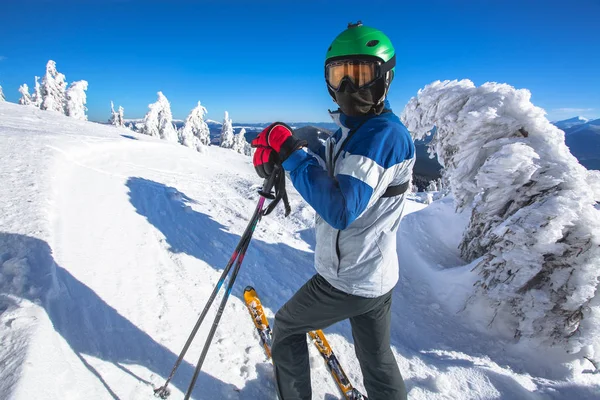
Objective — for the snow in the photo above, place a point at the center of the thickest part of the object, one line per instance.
(111, 242)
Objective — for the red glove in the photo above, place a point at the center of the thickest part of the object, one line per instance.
(273, 146)
(265, 159)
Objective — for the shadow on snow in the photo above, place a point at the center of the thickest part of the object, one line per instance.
(88, 324)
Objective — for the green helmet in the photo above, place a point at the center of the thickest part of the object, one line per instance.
(360, 40)
(359, 67)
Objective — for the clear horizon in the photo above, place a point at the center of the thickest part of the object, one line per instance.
(266, 63)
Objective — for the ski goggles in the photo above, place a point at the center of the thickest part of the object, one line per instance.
(360, 72)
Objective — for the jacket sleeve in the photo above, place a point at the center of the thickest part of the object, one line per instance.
(361, 173)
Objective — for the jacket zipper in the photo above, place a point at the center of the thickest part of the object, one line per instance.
(337, 251)
(333, 159)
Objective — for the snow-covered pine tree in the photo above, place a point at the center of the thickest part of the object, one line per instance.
(121, 114)
(227, 132)
(432, 187)
(36, 97)
(534, 232)
(195, 132)
(2, 98)
(165, 120)
(158, 121)
(150, 124)
(53, 89)
(240, 144)
(116, 117)
(25, 99)
(75, 99)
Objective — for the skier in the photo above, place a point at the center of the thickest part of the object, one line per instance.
(356, 185)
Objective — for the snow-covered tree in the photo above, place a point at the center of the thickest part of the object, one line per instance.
(227, 132)
(534, 233)
(195, 132)
(116, 117)
(436, 185)
(53, 89)
(167, 129)
(2, 98)
(75, 99)
(25, 96)
(437, 189)
(158, 121)
(36, 97)
(240, 144)
(150, 125)
(432, 187)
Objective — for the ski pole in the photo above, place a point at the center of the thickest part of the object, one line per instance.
(242, 245)
(162, 391)
(217, 319)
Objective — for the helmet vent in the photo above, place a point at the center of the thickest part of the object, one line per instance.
(329, 49)
(372, 43)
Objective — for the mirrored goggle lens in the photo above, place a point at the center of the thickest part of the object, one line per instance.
(360, 73)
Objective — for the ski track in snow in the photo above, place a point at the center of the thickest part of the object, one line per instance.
(111, 243)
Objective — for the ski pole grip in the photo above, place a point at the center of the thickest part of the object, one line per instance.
(269, 183)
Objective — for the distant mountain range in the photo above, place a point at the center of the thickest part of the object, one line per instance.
(571, 122)
(254, 128)
(315, 133)
(582, 136)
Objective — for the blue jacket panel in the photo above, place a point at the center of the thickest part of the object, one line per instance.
(339, 200)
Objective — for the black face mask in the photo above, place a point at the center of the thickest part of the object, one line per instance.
(355, 103)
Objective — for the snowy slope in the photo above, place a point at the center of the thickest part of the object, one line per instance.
(110, 243)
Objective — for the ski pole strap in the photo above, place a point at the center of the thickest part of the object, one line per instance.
(268, 185)
(278, 177)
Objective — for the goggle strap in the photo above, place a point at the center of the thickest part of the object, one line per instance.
(388, 65)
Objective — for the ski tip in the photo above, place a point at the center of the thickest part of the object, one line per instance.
(249, 289)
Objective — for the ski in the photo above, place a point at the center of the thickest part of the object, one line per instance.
(261, 324)
(259, 318)
(342, 381)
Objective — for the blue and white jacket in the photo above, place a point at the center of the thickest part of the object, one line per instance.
(356, 227)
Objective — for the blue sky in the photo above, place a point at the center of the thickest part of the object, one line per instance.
(263, 60)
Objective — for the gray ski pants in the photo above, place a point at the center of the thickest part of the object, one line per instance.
(318, 305)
